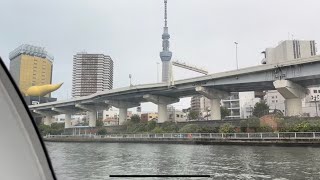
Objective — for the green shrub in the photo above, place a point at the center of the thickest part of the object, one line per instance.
(264, 129)
(260, 109)
(135, 118)
(157, 130)
(226, 128)
(151, 125)
(189, 128)
(102, 131)
(243, 125)
(169, 127)
(99, 123)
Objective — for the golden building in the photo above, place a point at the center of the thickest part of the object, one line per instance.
(31, 66)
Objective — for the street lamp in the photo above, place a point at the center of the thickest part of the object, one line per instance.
(130, 79)
(236, 43)
(315, 102)
(157, 72)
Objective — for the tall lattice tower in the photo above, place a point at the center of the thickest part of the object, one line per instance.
(165, 54)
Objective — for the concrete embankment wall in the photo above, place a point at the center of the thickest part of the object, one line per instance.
(248, 142)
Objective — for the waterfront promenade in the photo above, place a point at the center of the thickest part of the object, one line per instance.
(281, 138)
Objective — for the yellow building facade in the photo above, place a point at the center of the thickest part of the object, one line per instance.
(31, 66)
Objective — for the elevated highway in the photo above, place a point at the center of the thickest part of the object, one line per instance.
(290, 78)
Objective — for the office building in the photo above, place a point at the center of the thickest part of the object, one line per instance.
(200, 104)
(31, 66)
(145, 117)
(289, 50)
(91, 73)
(286, 51)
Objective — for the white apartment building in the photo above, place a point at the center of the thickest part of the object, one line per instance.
(75, 119)
(111, 116)
(310, 104)
(240, 104)
(275, 101)
(247, 102)
(233, 104)
(91, 73)
(176, 115)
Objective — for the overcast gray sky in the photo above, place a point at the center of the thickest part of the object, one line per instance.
(202, 33)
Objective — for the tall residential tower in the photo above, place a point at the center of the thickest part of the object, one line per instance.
(91, 73)
(165, 54)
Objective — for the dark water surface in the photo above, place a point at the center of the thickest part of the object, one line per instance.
(99, 160)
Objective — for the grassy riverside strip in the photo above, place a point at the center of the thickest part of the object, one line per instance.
(275, 124)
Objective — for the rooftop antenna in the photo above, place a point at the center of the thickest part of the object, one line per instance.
(165, 13)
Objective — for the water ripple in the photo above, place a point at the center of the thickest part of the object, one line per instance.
(99, 160)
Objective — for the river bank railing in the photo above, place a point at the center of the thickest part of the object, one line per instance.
(244, 136)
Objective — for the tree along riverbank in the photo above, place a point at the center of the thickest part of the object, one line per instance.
(268, 123)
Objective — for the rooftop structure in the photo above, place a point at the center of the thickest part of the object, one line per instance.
(289, 50)
(30, 50)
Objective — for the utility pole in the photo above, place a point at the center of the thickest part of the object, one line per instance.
(236, 43)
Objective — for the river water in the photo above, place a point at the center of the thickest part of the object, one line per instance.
(99, 160)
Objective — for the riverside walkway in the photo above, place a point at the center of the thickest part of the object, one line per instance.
(241, 136)
(250, 139)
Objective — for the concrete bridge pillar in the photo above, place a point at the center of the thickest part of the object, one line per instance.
(123, 112)
(47, 120)
(293, 93)
(215, 97)
(123, 108)
(92, 118)
(215, 112)
(67, 121)
(162, 113)
(91, 112)
(67, 112)
(47, 116)
(162, 103)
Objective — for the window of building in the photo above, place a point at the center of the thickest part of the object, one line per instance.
(318, 91)
(314, 91)
(276, 101)
(273, 101)
(177, 115)
(272, 97)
